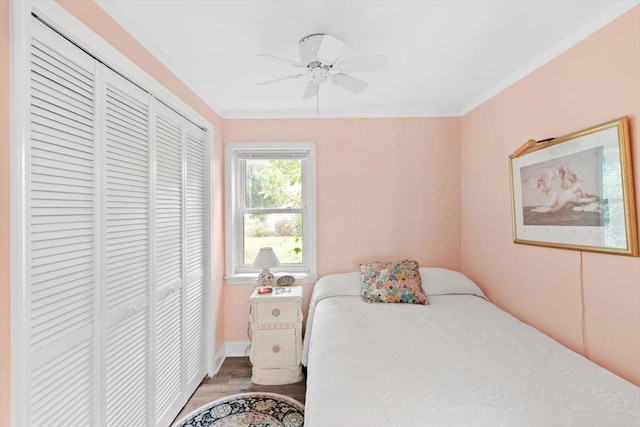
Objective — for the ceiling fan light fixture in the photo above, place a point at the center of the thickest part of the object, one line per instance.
(319, 74)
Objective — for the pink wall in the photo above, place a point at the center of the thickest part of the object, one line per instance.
(387, 189)
(593, 82)
(95, 18)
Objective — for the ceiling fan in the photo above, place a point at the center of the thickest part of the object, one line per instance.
(319, 54)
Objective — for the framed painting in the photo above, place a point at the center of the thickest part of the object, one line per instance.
(576, 192)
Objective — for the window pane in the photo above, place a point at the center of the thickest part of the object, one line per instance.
(282, 232)
(273, 183)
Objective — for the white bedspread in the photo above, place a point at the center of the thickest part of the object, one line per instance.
(460, 361)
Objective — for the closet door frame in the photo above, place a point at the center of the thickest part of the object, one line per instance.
(20, 39)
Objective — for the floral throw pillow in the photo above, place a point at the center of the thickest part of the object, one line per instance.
(392, 282)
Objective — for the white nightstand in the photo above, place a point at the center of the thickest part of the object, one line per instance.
(276, 335)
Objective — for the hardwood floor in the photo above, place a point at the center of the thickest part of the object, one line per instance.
(235, 377)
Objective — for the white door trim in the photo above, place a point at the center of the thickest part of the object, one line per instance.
(19, 35)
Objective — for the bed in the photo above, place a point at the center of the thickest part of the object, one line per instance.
(459, 361)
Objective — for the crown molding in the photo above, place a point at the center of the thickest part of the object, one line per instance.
(121, 18)
(616, 10)
(379, 114)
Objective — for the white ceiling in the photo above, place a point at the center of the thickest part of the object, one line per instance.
(446, 57)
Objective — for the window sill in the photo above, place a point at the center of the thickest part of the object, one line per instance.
(250, 278)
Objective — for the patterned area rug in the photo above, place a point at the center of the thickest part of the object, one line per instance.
(247, 409)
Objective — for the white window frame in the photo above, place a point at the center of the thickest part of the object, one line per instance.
(235, 152)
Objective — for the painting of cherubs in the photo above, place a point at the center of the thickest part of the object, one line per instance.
(565, 191)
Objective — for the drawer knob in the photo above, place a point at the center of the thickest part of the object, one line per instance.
(275, 312)
(276, 348)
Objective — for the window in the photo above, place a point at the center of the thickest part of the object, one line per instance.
(271, 201)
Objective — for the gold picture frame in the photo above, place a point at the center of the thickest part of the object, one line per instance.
(576, 192)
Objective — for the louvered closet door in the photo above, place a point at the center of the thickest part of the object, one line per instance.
(114, 249)
(169, 261)
(61, 240)
(126, 252)
(195, 256)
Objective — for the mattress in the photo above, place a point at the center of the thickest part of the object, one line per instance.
(460, 361)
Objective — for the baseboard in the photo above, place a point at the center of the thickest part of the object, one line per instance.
(229, 349)
(218, 360)
(237, 348)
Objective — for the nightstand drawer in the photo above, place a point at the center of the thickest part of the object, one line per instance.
(277, 348)
(277, 312)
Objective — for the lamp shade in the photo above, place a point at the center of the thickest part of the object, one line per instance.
(266, 258)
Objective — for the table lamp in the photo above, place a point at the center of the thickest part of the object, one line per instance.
(265, 260)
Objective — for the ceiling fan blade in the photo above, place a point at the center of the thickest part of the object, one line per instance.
(368, 63)
(349, 83)
(310, 91)
(289, 61)
(330, 49)
(293, 76)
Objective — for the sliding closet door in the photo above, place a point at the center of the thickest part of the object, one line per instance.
(126, 253)
(61, 237)
(169, 260)
(180, 260)
(195, 255)
(114, 248)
